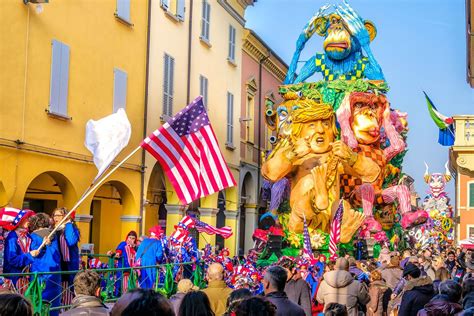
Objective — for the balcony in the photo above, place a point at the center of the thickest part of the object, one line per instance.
(462, 153)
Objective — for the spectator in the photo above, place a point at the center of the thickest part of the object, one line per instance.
(150, 253)
(87, 290)
(438, 262)
(335, 309)
(425, 266)
(235, 298)
(217, 291)
(446, 302)
(142, 302)
(450, 262)
(441, 275)
(69, 236)
(379, 295)
(339, 286)
(296, 288)
(196, 303)
(274, 283)
(125, 256)
(255, 306)
(468, 294)
(460, 268)
(418, 291)
(392, 273)
(184, 286)
(48, 260)
(15, 305)
(405, 257)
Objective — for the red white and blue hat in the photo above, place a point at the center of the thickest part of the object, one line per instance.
(11, 217)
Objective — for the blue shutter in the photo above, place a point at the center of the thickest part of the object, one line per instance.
(203, 89)
(165, 84)
(230, 118)
(208, 19)
(231, 54)
(120, 89)
(165, 4)
(168, 87)
(203, 19)
(59, 78)
(171, 87)
(123, 10)
(180, 9)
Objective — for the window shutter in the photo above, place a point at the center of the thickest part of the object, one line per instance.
(180, 9)
(120, 89)
(203, 19)
(171, 87)
(206, 89)
(203, 81)
(471, 194)
(231, 55)
(230, 118)
(59, 78)
(208, 19)
(165, 84)
(123, 10)
(165, 4)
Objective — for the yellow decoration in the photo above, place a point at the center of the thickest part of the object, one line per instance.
(317, 240)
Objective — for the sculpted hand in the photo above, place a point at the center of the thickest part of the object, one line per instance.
(300, 148)
(310, 27)
(341, 150)
(354, 23)
(319, 176)
(351, 221)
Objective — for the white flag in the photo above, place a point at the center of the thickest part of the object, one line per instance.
(106, 138)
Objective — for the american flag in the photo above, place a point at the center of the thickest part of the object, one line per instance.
(335, 233)
(187, 149)
(307, 241)
(202, 227)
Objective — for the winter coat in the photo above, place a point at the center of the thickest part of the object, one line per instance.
(468, 300)
(392, 275)
(149, 253)
(440, 306)
(71, 236)
(298, 292)
(176, 300)
(428, 270)
(418, 292)
(379, 294)
(218, 292)
(339, 286)
(15, 260)
(284, 306)
(85, 305)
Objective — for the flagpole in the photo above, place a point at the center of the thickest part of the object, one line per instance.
(87, 193)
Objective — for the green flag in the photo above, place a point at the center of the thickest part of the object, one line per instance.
(34, 294)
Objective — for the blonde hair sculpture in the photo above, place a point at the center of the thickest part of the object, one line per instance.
(309, 110)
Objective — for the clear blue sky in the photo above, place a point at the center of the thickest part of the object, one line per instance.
(420, 45)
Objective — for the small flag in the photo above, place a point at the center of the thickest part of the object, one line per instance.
(307, 241)
(187, 149)
(335, 232)
(202, 227)
(444, 123)
(106, 138)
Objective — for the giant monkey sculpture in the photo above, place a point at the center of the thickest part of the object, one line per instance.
(346, 36)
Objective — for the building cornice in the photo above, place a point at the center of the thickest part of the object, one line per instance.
(258, 50)
(228, 7)
(131, 218)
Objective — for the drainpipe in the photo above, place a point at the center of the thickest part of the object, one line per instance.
(145, 122)
(190, 36)
(259, 142)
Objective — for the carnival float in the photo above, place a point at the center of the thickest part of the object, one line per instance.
(334, 179)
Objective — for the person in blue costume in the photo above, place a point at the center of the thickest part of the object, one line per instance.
(48, 259)
(346, 37)
(150, 253)
(18, 255)
(125, 256)
(68, 235)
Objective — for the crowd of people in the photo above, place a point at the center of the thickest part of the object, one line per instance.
(427, 282)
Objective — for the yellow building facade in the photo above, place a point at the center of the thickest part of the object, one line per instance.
(63, 63)
(195, 49)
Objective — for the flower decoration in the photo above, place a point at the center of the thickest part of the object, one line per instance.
(317, 240)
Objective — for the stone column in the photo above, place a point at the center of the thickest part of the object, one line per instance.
(231, 221)
(208, 215)
(251, 217)
(173, 216)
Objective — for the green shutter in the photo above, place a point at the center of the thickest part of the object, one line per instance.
(471, 194)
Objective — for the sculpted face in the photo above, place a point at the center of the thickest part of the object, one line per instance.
(367, 118)
(337, 43)
(319, 134)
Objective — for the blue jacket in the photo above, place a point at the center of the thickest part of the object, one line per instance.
(123, 260)
(72, 236)
(150, 253)
(48, 260)
(14, 258)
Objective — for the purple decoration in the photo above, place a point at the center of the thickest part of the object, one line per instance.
(280, 192)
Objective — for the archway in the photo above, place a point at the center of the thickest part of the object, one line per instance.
(220, 220)
(155, 210)
(110, 206)
(48, 191)
(246, 198)
(3, 195)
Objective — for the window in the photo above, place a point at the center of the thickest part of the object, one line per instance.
(120, 89)
(206, 20)
(123, 11)
(470, 231)
(230, 120)
(174, 7)
(250, 118)
(471, 195)
(168, 76)
(203, 84)
(59, 79)
(231, 56)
